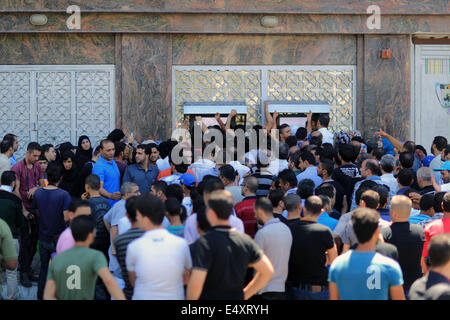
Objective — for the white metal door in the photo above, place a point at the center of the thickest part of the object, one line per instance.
(431, 111)
(54, 104)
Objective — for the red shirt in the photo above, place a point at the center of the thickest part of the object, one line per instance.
(34, 175)
(432, 229)
(246, 212)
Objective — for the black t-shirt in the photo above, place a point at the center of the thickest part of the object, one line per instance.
(386, 249)
(409, 239)
(99, 207)
(280, 216)
(340, 193)
(426, 190)
(307, 261)
(290, 222)
(225, 255)
(347, 175)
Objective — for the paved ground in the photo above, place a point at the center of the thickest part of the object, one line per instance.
(24, 293)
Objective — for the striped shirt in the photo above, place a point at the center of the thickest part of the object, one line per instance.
(121, 245)
(264, 183)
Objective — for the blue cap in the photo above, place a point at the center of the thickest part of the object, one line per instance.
(188, 179)
(427, 160)
(446, 166)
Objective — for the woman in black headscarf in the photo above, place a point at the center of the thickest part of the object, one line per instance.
(70, 178)
(84, 151)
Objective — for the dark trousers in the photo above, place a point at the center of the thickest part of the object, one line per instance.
(28, 239)
(45, 251)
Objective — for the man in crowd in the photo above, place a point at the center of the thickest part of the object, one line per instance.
(6, 152)
(437, 149)
(142, 172)
(370, 170)
(387, 165)
(245, 208)
(309, 171)
(424, 181)
(8, 255)
(11, 213)
(31, 178)
(322, 125)
(221, 257)
(363, 274)
(312, 249)
(15, 141)
(273, 236)
(49, 152)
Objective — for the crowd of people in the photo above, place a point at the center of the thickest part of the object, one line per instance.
(324, 216)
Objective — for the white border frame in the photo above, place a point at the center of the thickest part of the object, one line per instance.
(65, 68)
(263, 79)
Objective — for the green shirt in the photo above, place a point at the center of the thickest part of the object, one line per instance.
(75, 273)
(7, 247)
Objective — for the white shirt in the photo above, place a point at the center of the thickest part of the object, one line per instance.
(125, 224)
(203, 167)
(327, 136)
(163, 164)
(445, 187)
(159, 260)
(277, 165)
(241, 169)
(5, 163)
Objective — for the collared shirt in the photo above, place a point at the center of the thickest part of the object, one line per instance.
(29, 178)
(432, 286)
(273, 236)
(389, 180)
(109, 174)
(434, 164)
(310, 173)
(144, 179)
(203, 167)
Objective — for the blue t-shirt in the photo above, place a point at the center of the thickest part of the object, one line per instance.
(51, 205)
(326, 220)
(418, 218)
(109, 174)
(364, 275)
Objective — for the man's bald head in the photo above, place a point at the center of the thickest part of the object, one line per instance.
(400, 208)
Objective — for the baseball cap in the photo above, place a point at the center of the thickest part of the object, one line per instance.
(427, 160)
(188, 179)
(446, 166)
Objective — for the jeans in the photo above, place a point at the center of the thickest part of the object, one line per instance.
(28, 245)
(299, 294)
(273, 296)
(45, 251)
(12, 288)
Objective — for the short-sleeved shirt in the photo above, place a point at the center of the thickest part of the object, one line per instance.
(65, 241)
(34, 175)
(159, 260)
(51, 204)
(75, 272)
(5, 164)
(225, 254)
(121, 243)
(144, 179)
(326, 220)
(109, 174)
(364, 275)
(432, 229)
(432, 286)
(347, 175)
(113, 217)
(348, 235)
(307, 261)
(246, 212)
(11, 211)
(409, 239)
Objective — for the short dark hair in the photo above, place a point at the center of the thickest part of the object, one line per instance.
(374, 168)
(82, 226)
(5, 145)
(383, 193)
(347, 152)
(264, 204)
(119, 147)
(324, 119)
(406, 177)
(9, 136)
(327, 165)
(365, 222)
(437, 201)
(364, 186)
(93, 181)
(314, 205)
(227, 171)
(326, 190)
(174, 190)
(53, 173)
(410, 146)
(8, 177)
(440, 142)
(46, 147)
(446, 202)
(291, 202)
(308, 156)
(447, 150)
(288, 176)
(406, 159)
(213, 185)
(301, 133)
(130, 206)
(378, 153)
(295, 158)
(160, 186)
(426, 202)
(33, 146)
(371, 198)
(325, 200)
(291, 141)
(275, 196)
(145, 147)
(439, 250)
(305, 188)
(78, 203)
(173, 206)
(221, 204)
(151, 207)
(97, 150)
(202, 220)
(105, 141)
(282, 127)
(421, 148)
